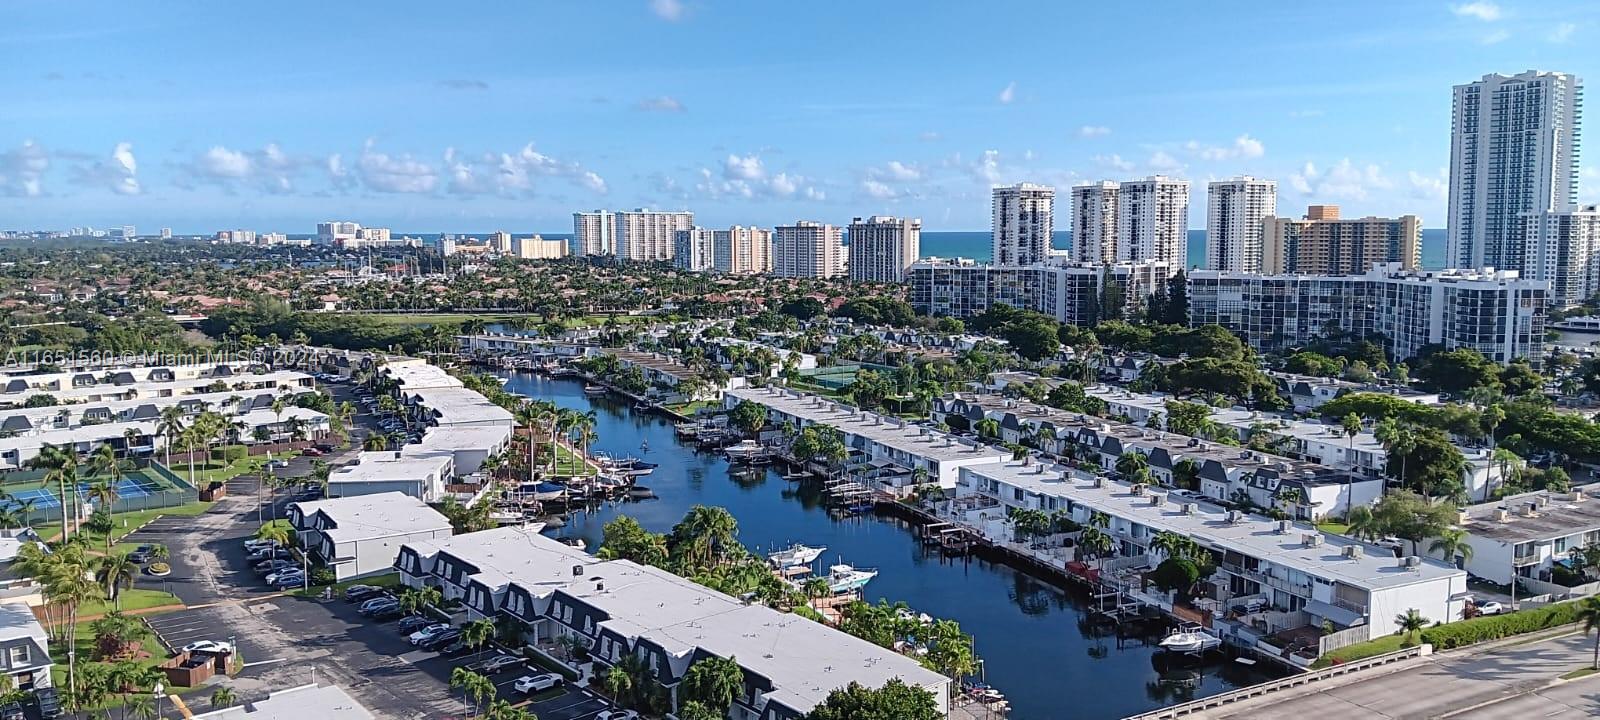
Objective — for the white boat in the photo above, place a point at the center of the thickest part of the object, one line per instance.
(1189, 638)
(594, 390)
(748, 451)
(844, 578)
(795, 554)
(1581, 324)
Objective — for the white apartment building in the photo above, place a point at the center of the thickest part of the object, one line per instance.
(741, 250)
(1134, 221)
(500, 240)
(594, 233)
(337, 232)
(1525, 535)
(1234, 215)
(647, 235)
(1094, 222)
(1561, 248)
(1071, 293)
(694, 249)
(538, 248)
(360, 536)
(876, 437)
(1513, 149)
(552, 592)
(1024, 221)
(1497, 313)
(808, 249)
(882, 247)
(1307, 577)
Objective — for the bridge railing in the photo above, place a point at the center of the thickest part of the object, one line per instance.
(1293, 681)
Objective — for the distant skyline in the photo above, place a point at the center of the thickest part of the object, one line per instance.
(425, 118)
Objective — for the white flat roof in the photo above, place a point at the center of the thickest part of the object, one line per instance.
(18, 621)
(466, 437)
(378, 515)
(83, 434)
(890, 432)
(458, 405)
(1255, 536)
(308, 702)
(150, 389)
(417, 376)
(383, 466)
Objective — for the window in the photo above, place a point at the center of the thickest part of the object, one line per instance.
(19, 656)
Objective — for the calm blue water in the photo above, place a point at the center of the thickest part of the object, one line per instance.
(1028, 631)
(975, 245)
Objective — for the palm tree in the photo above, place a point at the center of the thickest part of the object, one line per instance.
(1589, 615)
(1094, 541)
(171, 426)
(60, 464)
(713, 681)
(705, 535)
(104, 462)
(1410, 623)
(375, 443)
(816, 587)
(472, 685)
(115, 572)
(1362, 524)
(1451, 544)
(224, 697)
(477, 633)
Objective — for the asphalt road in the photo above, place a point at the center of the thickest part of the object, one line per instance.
(1449, 684)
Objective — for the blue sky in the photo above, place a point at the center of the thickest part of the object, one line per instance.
(468, 117)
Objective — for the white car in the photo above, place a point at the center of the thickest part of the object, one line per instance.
(499, 662)
(428, 632)
(529, 684)
(1490, 608)
(210, 646)
(617, 715)
(273, 578)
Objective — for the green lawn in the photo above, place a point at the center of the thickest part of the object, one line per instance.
(568, 463)
(1580, 672)
(132, 599)
(83, 644)
(217, 471)
(1380, 646)
(391, 580)
(1337, 528)
(689, 409)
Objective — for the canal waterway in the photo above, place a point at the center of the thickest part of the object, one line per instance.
(1030, 633)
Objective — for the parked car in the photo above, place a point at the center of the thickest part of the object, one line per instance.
(529, 684)
(272, 566)
(413, 623)
(387, 613)
(48, 703)
(288, 580)
(372, 604)
(360, 593)
(324, 447)
(254, 545)
(428, 633)
(280, 464)
(141, 554)
(312, 452)
(1489, 608)
(269, 554)
(617, 715)
(440, 641)
(210, 646)
(12, 711)
(497, 663)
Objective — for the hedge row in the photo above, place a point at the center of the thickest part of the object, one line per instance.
(1494, 627)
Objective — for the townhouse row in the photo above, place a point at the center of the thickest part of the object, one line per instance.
(1303, 490)
(561, 597)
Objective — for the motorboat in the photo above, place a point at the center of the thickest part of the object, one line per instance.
(844, 578)
(546, 491)
(594, 390)
(747, 451)
(1188, 638)
(796, 554)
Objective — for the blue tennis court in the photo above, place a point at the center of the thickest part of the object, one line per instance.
(132, 486)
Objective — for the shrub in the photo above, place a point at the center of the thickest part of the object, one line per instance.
(1494, 627)
(230, 453)
(323, 576)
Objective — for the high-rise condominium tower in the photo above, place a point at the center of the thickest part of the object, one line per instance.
(1234, 214)
(1137, 221)
(647, 235)
(594, 233)
(742, 250)
(1024, 218)
(692, 248)
(1322, 243)
(1564, 248)
(1513, 149)
(881, 248)
(807, 249)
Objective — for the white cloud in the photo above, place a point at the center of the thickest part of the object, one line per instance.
(395, 173)
(513, 174)
(747, 167)
(1008, 94)
(1496, 37)
(1563, 32)
(1344, 181)
(1481, 10)
(269, 169)
(338, 175)
(663, 103)
(878, 190)
(669, 10)
(988, 167)
(1160, 161)
(929, 136)
(1435, 187)
(22, 170)
(1093, 131)
(880, 182)
(224, 163)
(1114, 161)
(118, 173)
(896, 170)
(1243, 146)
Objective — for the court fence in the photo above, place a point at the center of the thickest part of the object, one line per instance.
(150, 497)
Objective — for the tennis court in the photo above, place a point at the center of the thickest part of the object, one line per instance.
(134, 485)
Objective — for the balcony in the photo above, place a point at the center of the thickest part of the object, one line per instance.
(1525, 560)
(1350, 605)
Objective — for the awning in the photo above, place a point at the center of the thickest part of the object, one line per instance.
(1338, 615)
